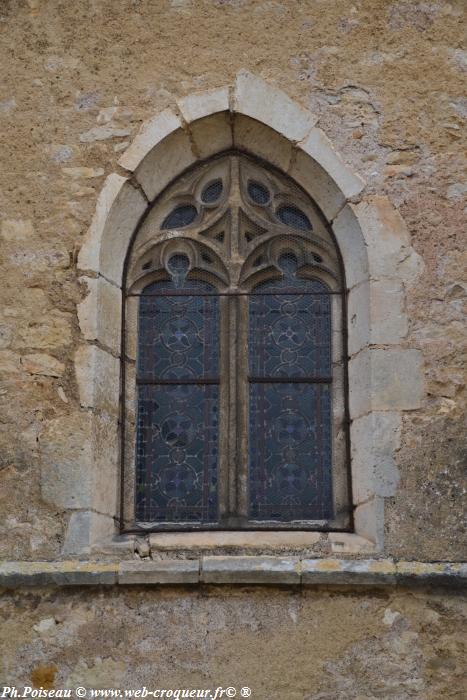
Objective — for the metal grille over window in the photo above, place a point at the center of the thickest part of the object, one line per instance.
(234, 409)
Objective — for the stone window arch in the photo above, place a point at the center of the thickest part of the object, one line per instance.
(234, 340)
(384, 373)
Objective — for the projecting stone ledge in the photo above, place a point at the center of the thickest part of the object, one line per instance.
(234, 570)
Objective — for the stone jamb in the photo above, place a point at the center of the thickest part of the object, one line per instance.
(376, 250)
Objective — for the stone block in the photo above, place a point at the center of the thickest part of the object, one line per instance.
(63, 573)
(320, 148)
(359, 384)
(375, 438)
(66, 461)
(203, 104)
(149, 136)
(259, 540)
(376, 314)
(85, 530)
(257, 99)
(100, 313)
(164, 571)
(424, 573)
(352, 245)
(385, 234)
(106, 462)
(385, 380)
(119, 207)
(349, 543)
(98, 378)
(396, 379)
(369, 521)
(212, 135)
(168, 159)
(250, 570)
(318, 183)
(344, 572)
(260, 140)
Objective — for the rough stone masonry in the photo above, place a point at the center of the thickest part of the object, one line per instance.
(386, 79)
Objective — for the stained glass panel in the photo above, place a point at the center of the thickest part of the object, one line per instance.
(177, 428)
(290, 452)
(290, 423)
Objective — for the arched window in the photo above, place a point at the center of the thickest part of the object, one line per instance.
(234, 358)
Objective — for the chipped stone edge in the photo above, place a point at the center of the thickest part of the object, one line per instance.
(235, 570)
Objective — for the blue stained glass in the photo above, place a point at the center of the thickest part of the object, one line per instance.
(176, 454)
(178, 334)
(181, 216)
(290, 334)
(212, 192)
(177, 424)
(294, 217)
(290, 452)
(290, 423)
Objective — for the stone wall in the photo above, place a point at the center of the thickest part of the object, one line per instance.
(386, 80)
(284, 645)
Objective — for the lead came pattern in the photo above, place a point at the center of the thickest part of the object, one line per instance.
(177, 428)
(290, 423)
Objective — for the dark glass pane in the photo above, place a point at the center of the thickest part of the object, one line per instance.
(177, 425)
(180, 216)
(290, 422)
(290, 334)
(290, 452)
(212, 192)
(177, 453)
(294, 217)
(178, 335)
(258, 193)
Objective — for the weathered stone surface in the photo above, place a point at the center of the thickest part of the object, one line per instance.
(118, 210)
(211, 135)
(99, 313)
(64, 573)
(98, 378)
(375, 438)
(318, 146)
(202, 104)
(40, 363)
(253, 136)
(163, 571)
(167, 159)
(259, 540)
(151, 134)
(338, 572)
(267, 570)
(66, 461)
(257, 99)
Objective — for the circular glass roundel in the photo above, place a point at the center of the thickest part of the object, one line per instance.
(294, 217)
(288, 263)
(212, 192)
(258, 192)
(180, 216)
(178, 263)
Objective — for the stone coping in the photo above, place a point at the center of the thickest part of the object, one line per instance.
(233, 570)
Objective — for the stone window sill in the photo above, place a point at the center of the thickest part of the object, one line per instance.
(234, 570)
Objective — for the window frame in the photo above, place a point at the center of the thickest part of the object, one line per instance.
(233, 312)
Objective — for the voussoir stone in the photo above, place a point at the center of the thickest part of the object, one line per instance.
(257, 99)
